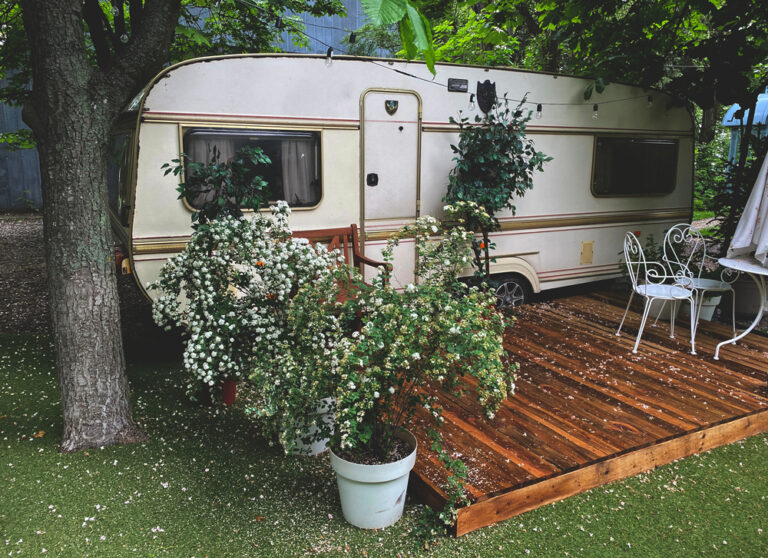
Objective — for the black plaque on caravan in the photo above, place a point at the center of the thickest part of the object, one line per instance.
(486, 95)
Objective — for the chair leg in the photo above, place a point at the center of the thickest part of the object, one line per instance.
(694, 321)
(733, 312)
(624, 317)
(699, 298)
(672, 315)
(660, 313)
(642, 322)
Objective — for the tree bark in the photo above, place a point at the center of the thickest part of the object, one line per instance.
(72, 107)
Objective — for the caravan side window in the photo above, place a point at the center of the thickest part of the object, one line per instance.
(117, 170)
(634, 166)
(294, 175)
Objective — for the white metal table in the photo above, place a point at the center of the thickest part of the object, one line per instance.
(753, 268)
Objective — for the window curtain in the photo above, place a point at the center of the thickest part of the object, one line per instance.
(298, 170)
(201, 149)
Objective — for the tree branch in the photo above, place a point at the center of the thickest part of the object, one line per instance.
(136, 11)
(93, 16)
(120, 30)
(144, 55)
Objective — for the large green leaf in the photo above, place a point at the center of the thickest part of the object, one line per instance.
(406, 36)
(420, 34)
(384, 12)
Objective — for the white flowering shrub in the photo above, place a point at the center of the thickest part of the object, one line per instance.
(437, 333)
(307, 370)
(231, 290)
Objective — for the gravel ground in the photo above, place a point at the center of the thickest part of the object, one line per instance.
(23, 290)
(24, 306)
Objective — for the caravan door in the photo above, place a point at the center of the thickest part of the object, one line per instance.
(391, 148)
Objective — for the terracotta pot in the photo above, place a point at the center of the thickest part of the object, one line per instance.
(228, 392)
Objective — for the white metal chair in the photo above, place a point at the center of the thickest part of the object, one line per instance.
(652, 281)
(685, 254)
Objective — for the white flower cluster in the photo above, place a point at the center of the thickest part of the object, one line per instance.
(436, 332)
(231, 288)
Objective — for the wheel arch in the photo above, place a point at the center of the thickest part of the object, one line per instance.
(517, 266)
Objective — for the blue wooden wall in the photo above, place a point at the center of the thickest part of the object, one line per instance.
(322, 32)
(19, 170)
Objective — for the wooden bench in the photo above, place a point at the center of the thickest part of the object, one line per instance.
(346, 240)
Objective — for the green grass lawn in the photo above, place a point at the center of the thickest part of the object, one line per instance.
(205, 485)
(699, 215)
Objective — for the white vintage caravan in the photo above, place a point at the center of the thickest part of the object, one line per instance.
(367, 141)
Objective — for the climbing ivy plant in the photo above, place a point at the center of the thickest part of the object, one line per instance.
(495, 163)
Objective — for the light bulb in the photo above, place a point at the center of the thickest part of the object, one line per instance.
(329, 56)
(650, 101)
(471, 101)
(538, 111)
(595, 115)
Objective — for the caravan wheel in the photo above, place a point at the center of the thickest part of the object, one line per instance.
(511, 292)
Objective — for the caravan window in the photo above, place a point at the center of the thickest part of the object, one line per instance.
(634, 166)
(117, 170)
(294, 174)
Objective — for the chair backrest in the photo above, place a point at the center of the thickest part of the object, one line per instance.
(685, 251)
(635, 259)
(640, 270)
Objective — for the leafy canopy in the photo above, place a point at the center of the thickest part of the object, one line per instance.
(204, 27)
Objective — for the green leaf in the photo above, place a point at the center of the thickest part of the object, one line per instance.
(600, 85)
(429, 58)
(384, 12)
(417, 22)
(193, 35)
(406, 36)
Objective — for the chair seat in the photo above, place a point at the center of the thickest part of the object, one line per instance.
(710, 285)
(670, 292)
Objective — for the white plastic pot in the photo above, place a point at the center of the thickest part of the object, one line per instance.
(661, 311)
(373, 496)
(324, 416)
(708, 307)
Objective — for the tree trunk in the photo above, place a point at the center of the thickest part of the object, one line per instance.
(71, 122)
(85, 309)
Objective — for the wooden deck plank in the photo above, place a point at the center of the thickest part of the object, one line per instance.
(587, 411)
(717, 385)
(682, 375)
(620, 467)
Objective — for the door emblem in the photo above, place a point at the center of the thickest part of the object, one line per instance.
(390, 107)
(486, 95)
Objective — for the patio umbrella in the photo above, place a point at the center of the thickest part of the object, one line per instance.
(752, 231)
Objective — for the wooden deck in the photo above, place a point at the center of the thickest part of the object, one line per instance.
(587, 411)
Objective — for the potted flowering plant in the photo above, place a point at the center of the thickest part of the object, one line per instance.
(230, 290)
(431, 335)
(300, 388)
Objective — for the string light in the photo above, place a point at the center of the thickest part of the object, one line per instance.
(595, 115)
(329, 56)
(352, 38)
(650, 101)
(539, 109)
(471, 101)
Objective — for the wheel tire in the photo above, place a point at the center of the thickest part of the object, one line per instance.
(511, 292)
